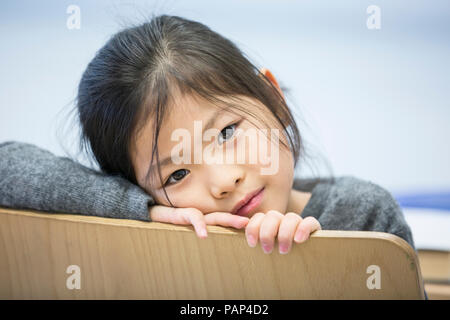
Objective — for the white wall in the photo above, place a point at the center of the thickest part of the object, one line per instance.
(376, 102)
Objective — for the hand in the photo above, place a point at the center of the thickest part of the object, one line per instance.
(289, 226)
(196, 218)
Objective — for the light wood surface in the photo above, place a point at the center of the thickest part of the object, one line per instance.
(435, 266)
(437, 291)
(128, 259)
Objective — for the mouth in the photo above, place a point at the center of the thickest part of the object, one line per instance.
(249, 202)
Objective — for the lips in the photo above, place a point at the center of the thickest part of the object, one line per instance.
(245, 200)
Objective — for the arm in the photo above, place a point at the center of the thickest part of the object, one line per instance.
(33, 178)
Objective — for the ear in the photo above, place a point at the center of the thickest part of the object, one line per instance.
(272, 79)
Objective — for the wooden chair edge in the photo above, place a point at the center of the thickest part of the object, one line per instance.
(391, 239)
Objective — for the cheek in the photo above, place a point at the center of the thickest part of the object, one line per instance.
(275, 156)
(284, 176)
(282, 182)
(181, 199)
(160, 197)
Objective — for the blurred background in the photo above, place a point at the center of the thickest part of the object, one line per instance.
(370, 90)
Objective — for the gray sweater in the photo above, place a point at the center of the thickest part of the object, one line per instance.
(33, 178)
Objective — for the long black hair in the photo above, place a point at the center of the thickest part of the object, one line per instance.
(132, 77)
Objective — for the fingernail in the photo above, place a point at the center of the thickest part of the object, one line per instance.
(203, 233)
(241, 223)
(299, 237)
(251, 241)
(284, 249)
(267, 248)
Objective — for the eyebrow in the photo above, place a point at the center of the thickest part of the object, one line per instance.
(212, 120)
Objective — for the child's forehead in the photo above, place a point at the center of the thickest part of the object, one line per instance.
(191, 111)
(197, 108)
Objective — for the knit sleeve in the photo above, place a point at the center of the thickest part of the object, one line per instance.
(34, 178)
(355, 204)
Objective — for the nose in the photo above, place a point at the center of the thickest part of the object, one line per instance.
(224, 180)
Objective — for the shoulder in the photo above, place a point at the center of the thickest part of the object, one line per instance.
(18, 147)
(350, 203)
(375, 207)
(349, 189)
(349, 200)
(346, 189)
(347, 193)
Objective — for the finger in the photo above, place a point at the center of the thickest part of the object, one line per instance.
(252, 229)
(197, 219)
(269, 229)
(226, 219)
(172, 215)
(286, 232)
(161, 213)
(305, 228)
(180, 216)
(191, 216)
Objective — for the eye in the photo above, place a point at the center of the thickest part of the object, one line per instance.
(177, 176)
(228, 132)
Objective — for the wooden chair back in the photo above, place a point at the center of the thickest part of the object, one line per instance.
(64, 256)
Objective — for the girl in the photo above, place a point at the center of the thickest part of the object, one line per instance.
(153, 81)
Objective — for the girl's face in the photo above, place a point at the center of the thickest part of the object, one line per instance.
(209, 181)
